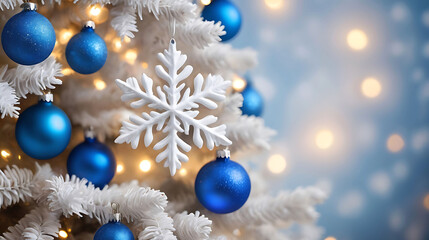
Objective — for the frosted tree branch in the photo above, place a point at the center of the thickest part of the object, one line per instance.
(15, 184)
(9, 4)
(8, 98)
(192, 226)
(199, 33)
(124, 20)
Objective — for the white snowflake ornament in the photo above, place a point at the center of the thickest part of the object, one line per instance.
(172, 110)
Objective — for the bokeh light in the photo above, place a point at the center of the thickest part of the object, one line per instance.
(183, 172)
(97, 13)
(5, 154)
(99, 84)
(274, 4)
(324, 139)
(65, 35)
(145, 165)
(395, 143)
(145, 65)
(131, 56)
(330, 238)
(357, 39)
(426, 202)
(66, 71)
(276, 164)
(120, 168)
(205, 2)
(63, 234)
(238, 83)
(371, 87)
(117, 44)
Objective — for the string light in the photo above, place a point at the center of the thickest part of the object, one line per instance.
(238, 83)
(324, 139)
(276, 163)
(97, 13)
(395, 143)
(131, 56)
(119, 168)
(330, 238)
(63, 234)
(145, 165)
(117, 44)
(19, 157)
(183, 172)
(274, 4)
(65, 35)
(99, 84)
(206, 2)
(357, 39)
(426, 202)
(127, 39)
(66, 71)
(145, 65)
(5, 154)
(371, 87)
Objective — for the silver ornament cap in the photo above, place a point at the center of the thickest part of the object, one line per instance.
(47, 97)
(29, 6)
(89, 24)
(116, 213)
(223, 153)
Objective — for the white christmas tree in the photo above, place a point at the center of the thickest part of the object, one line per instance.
(187, 101)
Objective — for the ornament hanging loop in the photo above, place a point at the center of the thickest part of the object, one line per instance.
(172, 28)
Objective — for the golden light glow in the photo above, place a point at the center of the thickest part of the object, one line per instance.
(65, 35)
(183, 172)
(5, 153)
(330, 238)
(371, 87)
(357, 39)
(205, 2)
(127, 39)
(238, 83)
(99, 84)
(117, 44)
(19, 157)
(131, 56)
(145, 65)
(274, 4)
(324, 139)
(66, 71)
(145, 165)
(426, 202)
(63, 234)
(119, 168)
(395, 143)
(276, 163)
(97, 13)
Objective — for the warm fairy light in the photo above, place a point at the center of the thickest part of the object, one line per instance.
(145, 65)
(324, 139)
(98, 13)
(19, 157)
(145, 165)
(117, 44)
(274, 4)
(127, 39)
(119, 168)
(395, 143)
(94, 10)
(183, 172)
(426, 202)
(330, 238)
(131, 56)
(357, 39)
(205, 2)
(66, 71)
(371, 87)
(276, 163)
(238, 83)
(5, 154)
(65, 35)
(99, 84)
(63, 234)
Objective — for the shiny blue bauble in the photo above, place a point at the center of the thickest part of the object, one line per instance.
(43, 130)
(28, 38)
(227, 13)
(253, 103)
(92, 160)
(113, 231)
(86, 52)
(222, 186)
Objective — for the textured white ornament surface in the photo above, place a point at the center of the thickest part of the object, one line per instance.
(174, 110)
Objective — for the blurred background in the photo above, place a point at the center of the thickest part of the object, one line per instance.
(346, 86)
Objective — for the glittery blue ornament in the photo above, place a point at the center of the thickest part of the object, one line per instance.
(227, 13)
(86, 52)
(222, 186)
(253, 103)
(43, 130)
(92, 160)
(28, 37)
(114, 230)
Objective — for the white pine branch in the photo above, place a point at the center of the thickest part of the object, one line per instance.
(192, 226)
(9, 4)
(34, 79)
(124, 20)
(158, 227)
(199, 33)
(8, 98)
(180, 10)
(285, 208)
(15, 184)
(39, 224)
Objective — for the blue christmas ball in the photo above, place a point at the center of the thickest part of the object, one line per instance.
(227, 13)
(92, 160)
(28, 38)
(43, 130)
(253, 103)
(86, 52)
(222, 186)
(113, 231)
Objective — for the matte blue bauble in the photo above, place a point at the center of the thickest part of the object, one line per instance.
(222, 186)
(253, 103)
(92, 160)
(114, 231)
(43, 130)
(28, 38)
(86, 52)
(226, 12)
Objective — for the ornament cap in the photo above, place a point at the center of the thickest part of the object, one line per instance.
(223, 153)
(89, 24)
(47, 97)
(116, 213)
(89, 132)
(29, 6)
